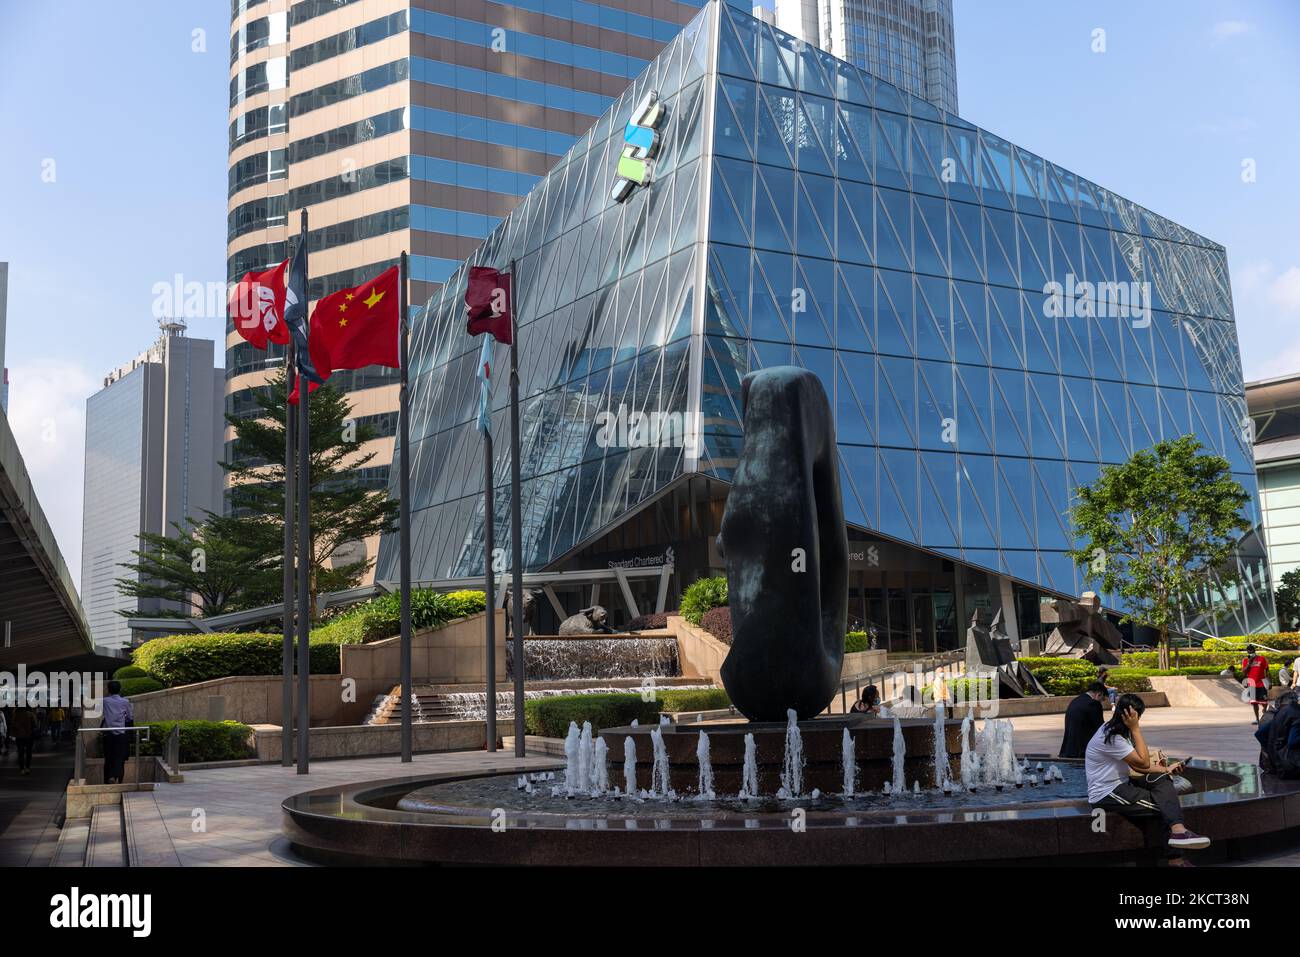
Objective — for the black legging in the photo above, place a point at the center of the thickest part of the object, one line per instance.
(24, 752)
(1150, 804)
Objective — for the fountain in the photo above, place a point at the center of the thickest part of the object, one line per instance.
(942, 770)
(749, 771)
(850, 763)
(792, 766)
(604, 656)
(705, 787)
(898, 783)
(660, 783)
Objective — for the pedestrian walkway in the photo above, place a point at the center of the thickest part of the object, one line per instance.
(28, 804)
(1223, 734)
(230, 817)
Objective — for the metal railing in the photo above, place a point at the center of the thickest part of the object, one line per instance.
(892, 677)
(79, 772)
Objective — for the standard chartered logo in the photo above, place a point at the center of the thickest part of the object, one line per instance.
(641, 145)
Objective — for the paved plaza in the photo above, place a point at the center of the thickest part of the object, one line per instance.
(240, 806)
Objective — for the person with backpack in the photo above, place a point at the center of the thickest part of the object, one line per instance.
(1255, 678)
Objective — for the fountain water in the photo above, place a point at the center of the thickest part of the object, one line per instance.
(629, 765)
(942, 773)
(850, 764)
(749, 770)
(613, 657)
(899, 783)
(792, 768)
(600, 767)
(659, 781)
(571, 758)
(706, 767)
(584, 758)
(968, 759)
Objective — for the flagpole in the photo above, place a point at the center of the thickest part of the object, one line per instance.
(304, 536)
(290, 437)
(404, 419)
(490, 590)
(516, 516)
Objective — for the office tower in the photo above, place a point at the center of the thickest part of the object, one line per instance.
(908, 43)
(1275, 413)
(987, 341)
(406, 125)
(4, 319)
(153, 437)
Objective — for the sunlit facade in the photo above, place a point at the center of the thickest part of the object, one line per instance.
(991, 329)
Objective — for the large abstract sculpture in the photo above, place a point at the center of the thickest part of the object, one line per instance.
(1081, 630)
(989, 649)
(786, 548)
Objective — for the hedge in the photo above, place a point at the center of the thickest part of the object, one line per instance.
(655, 621)
(185, 659)
(856, 641)
(143, 685)
(704, 594)
(129, 671)
(381, 617)
(1284, 641)
(1193, 659)
(201, 740)
(717, 622)
(550, 717)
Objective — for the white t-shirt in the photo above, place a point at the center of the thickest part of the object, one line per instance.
(1104, 764)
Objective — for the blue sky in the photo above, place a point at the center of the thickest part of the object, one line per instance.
(135, 119)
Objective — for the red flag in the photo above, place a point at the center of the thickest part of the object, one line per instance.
(487, 300)
(357, 327)
(256, 307)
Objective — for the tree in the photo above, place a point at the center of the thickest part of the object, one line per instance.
(1159, 531)
(343, 509)
(201, 570)
(1287, 597)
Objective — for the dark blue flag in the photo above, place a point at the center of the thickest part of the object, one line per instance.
(295, 312)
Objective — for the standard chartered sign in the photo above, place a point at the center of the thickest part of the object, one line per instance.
(641, 145)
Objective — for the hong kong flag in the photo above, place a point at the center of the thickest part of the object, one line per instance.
(487, 303)
(256, 307)
(357, 327)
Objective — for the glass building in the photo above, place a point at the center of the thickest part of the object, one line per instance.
(908, 43)
(990, 328)
(1275, 412)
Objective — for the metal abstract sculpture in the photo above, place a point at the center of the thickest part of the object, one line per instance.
(1081, 630)
(989, 649)
(786, 549)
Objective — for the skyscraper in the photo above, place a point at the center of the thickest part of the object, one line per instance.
(988, 342)
(153, 437)
(908, 43)
(406, 125)
(4, 319)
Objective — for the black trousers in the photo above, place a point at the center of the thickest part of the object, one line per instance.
(24, 752)
(1150, 804)
(116, 748)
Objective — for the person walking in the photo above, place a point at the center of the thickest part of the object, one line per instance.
(1255, 671)
(1124, 777)
(118, 714)
(23, 730)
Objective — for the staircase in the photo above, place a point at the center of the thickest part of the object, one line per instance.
(130, 834)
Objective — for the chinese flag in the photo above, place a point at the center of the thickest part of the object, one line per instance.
(357, 327)
(256, 307)
(487, 301)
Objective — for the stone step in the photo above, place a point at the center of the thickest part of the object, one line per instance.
(148, 842)
(74, 837)
(106, 848)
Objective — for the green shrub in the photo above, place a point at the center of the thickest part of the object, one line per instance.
(202, 740)
(654, 621)
(1066, 679)
(381, 617)
(856, 641)
(705, 594)
(692, 699)
(550, 717)
(717, 622)
(1189, 659)
(1033, 664)
(1129, 680)
(185, 659)
(1284, 641)
(143, 685)
(129, 671)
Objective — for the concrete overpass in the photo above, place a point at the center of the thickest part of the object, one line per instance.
(37, 597)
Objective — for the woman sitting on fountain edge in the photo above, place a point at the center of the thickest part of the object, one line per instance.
(1146, 796)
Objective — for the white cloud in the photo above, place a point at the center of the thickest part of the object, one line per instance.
(1284, 291)
(47, 412)
(1226, 29)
